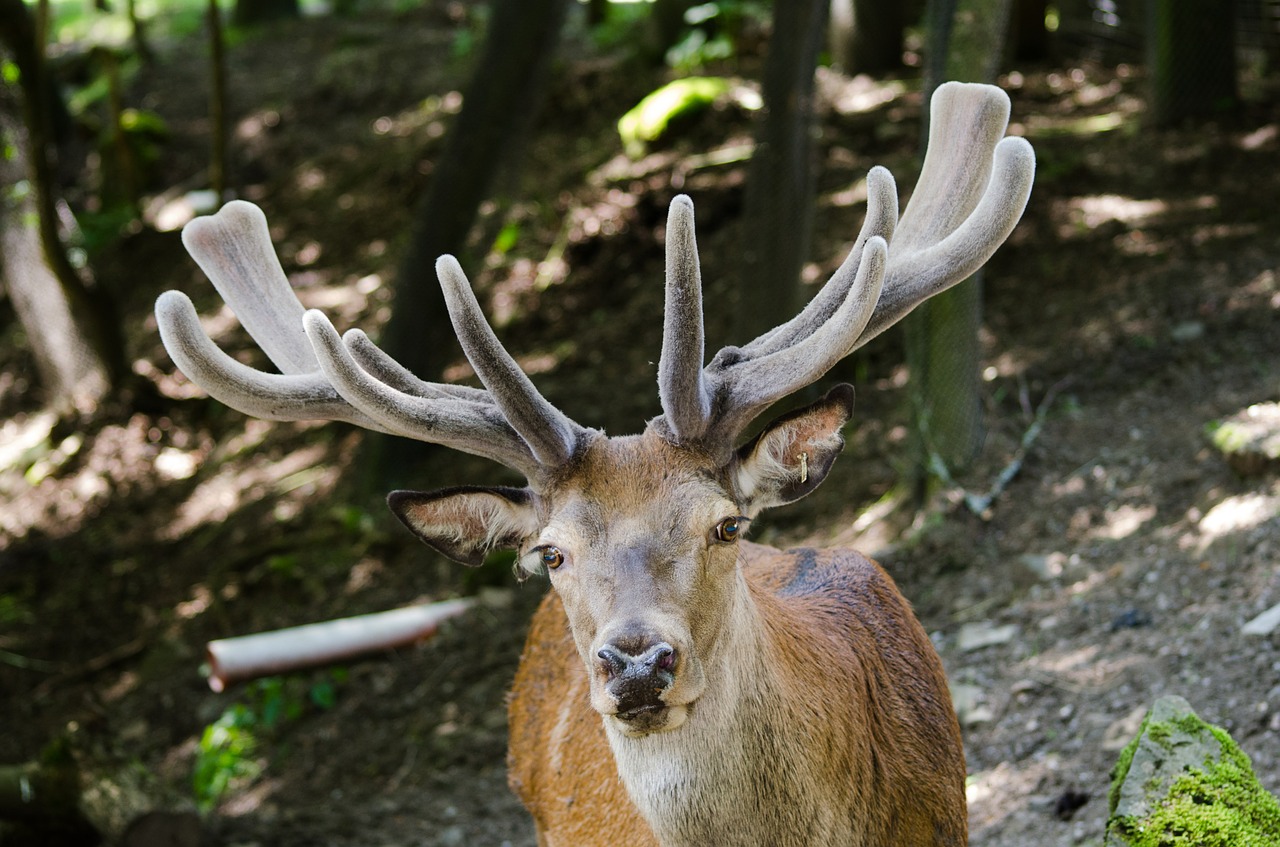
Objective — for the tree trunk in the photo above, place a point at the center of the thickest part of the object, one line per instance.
(1030, 38)
(499, 104)
(866, 36)
(778, 208)
(83, 350)
(139, 32)
(1191, 57)
(666, 22)
(965, 40)
(217, 103)
(252, 12)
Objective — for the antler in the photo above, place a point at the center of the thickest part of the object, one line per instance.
(327, 377)
(971, 193)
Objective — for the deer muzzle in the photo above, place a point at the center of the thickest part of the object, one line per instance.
(636, 683)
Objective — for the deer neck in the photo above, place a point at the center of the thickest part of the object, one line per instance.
(694, 784)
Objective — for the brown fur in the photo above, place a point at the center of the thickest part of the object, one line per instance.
(838, 624)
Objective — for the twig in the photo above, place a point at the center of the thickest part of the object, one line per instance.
(26, 663)
(94, 665)
(980, 504)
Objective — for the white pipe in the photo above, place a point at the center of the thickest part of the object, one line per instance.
(249, 656)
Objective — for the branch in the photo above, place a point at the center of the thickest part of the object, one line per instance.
(980, 504)
(249, 656)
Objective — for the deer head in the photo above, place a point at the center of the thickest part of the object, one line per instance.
(639, 534)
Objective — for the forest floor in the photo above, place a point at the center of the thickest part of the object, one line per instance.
(1119, 565)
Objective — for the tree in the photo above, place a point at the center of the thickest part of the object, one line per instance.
(71, 322)
(666, 22)
(217, 102)
(253, 12)
(499, 104)
(866, 36)
(70, 373)
(966, 38)
(1191, 57)
(778, 214)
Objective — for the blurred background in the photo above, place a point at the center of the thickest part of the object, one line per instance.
(1068, 464)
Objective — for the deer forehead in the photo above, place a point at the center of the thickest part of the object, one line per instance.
(636, 491)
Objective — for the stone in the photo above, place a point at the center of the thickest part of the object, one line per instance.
(1249, 439)
(1184, 783)
(1265, 623)
(975, 636)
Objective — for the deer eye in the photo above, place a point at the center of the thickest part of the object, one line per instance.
(550, 557)
(729, 529)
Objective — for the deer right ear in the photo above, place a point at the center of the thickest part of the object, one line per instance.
(467, 523)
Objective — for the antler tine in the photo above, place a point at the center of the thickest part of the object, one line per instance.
(972, 192)
(473, 427)
(917, 276)
(382, 367)
(548, 432)
(761, 381)
(880, 220)
(279, 397)
(685, 397)
(233, 248)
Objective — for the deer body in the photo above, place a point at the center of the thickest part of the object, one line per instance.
(792, 741)
(681, 686)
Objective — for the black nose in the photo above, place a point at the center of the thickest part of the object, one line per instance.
(637, 682)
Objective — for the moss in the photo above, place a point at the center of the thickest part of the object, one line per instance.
(651, 117)
(1227, 436)
(1222, 805)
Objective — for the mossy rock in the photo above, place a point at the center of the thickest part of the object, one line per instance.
(1184, 783)
(1249, 439)
(649, 120)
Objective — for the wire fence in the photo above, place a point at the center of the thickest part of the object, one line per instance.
(1115, 31)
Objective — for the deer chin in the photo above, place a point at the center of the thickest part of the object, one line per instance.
(647, 721)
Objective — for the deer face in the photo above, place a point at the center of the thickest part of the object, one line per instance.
(640, 540)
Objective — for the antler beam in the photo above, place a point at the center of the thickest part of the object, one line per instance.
(972, 191)
(325, 377)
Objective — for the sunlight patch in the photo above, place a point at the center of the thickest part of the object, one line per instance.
(1237, 514)
(1124, 521)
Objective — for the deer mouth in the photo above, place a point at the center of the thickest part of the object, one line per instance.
(648, 719)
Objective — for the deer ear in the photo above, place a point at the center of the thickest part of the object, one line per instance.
(467, 523)
(792, 455)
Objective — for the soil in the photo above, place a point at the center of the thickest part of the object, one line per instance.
(1139, 295)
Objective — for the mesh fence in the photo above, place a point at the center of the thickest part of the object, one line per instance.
(1115, 31)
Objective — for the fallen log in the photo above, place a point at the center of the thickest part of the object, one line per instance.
(266, 653)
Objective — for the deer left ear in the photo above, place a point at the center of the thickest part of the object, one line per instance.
(793, 454)
(467, 523)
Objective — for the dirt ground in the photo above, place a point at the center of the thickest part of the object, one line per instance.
(1140, 289)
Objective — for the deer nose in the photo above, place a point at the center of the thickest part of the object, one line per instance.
(637, 682)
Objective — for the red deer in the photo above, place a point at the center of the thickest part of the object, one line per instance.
(680, 685)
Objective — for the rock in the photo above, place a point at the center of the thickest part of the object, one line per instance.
(966, 699)
(1249, 439)
(1265, 623)
(1130, 619)
(1184, 783)
(1187, 331)
(1044, 566)
(975, 636)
